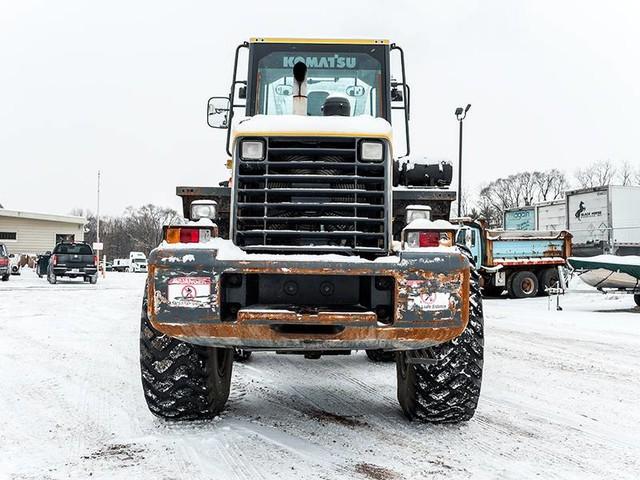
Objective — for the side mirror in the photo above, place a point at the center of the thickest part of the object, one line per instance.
(465, 237)
(203, 209)
(218, 112)
(242, 93)
(396, 95)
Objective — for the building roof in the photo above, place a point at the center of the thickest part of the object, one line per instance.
(42, 216)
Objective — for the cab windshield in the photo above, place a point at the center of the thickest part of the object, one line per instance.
(355, 76)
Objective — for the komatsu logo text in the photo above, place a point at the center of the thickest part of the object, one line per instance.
(334, 61)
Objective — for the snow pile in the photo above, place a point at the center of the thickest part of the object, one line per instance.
(559, 399)
(426, 224)
(632, 260)
(228, 251)
(363, 125)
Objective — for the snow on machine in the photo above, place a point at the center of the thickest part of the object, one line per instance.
(314, 250)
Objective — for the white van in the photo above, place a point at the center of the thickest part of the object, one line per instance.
(137, 262)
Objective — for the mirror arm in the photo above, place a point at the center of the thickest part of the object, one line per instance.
(232, 95)
(405, 89)
(408, 100)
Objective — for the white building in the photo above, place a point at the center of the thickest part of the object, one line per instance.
(35, 233)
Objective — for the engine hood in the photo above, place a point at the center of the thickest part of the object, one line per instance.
(298, 125)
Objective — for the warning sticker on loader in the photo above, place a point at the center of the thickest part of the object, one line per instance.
(420, 298)
(189, 292)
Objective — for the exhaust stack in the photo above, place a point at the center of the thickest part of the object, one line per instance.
(300, 89)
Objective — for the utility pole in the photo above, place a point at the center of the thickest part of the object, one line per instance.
(98, 222)
(460, 115)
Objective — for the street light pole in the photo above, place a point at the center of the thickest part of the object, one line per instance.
(98, 214)
(460, 115)
(98, 226)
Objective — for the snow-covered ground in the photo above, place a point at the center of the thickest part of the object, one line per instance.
(560, 399)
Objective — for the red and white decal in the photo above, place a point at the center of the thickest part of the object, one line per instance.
(419, 297)
(193, 292)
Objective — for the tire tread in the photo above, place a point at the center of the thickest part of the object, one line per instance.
(176, 378)
(448, 391)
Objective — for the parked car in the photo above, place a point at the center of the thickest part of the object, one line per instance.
(5, 273)
(73, 259)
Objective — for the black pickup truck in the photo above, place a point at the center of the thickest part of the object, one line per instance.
(5, 273)
(73, 260)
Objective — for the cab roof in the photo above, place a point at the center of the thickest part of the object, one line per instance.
(329, 41)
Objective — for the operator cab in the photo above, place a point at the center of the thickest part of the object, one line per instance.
(348, 78)
(341, 79)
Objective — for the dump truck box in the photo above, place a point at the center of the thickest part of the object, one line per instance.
(526, 247)
(522, 262)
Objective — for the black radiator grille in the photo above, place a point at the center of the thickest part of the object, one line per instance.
(311, 196)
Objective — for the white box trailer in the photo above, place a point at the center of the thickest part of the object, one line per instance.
(604, 220)
(521, 218)
(551, 215)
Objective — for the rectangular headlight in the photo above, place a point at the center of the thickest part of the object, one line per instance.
(371, 151)
(203, 210)
(252, 150)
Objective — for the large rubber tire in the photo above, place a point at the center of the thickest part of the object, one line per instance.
(380, 356)
(5, 278)
(93, 279)
(636, 298)
(182, 381)
(51, 278)
(523, 285)
(447, 391)
(547, 278)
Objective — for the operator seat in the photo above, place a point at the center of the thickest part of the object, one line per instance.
(339, 106)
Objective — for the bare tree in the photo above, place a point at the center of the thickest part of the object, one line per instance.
(139, 229)
(527, 182)
(466, 201)
(78, 212)
(551, 184)
(627, 175)
(144, 225)
(519, 190)
(487, 211)
(596, 174)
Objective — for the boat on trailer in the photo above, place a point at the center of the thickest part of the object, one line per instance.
(610, 272)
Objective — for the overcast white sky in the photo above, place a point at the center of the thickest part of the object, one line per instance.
(122, 86)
